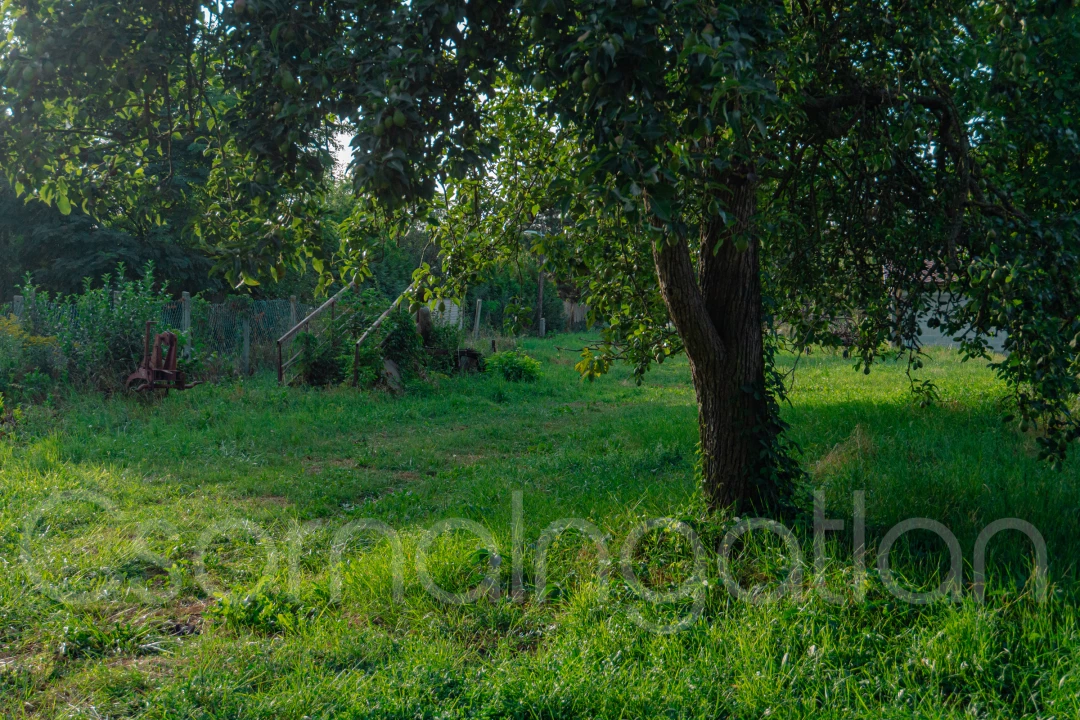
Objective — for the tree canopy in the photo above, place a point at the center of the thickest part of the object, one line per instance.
(706, 171)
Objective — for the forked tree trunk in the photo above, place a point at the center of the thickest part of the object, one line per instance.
(717, 311)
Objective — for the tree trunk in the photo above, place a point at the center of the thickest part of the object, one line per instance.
(717, 311)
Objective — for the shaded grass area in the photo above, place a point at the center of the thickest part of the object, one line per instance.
(132, 586)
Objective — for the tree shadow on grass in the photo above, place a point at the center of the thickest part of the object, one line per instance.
(960, 466)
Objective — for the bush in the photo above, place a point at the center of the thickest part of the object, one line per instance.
(445, 339)
(319, 362)
(514, 366)
(402, 342)
(368, 364)
(29, 364)
(99, 334)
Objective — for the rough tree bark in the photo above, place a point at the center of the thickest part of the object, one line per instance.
(717, 311)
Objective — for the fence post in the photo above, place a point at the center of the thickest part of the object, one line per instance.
(17, 307)
(116, 297)
(543, 322)
(185, 321)
(245, 358)
(292, 311)
(476, 323)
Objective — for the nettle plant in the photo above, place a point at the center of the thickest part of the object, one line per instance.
(707, 171)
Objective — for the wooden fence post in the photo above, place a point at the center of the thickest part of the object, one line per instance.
(185, 321)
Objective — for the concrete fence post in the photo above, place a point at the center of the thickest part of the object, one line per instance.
(17, 307)
(476, 323)
(185, 321)
(292, 311)
(543, 323)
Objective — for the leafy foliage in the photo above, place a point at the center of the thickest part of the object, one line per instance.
(29, 364)
(60, 251)
(514, 366)
(263, 609)
(99, 333)
(320, 362)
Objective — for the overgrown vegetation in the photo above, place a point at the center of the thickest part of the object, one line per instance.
(514, 366)
(216, 629)
(92, 339)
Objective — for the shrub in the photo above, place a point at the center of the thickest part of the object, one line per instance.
(365, 307)
(100, 333)
(402, 342)
(319, 362)
(514, 366)
(445, 339)
(368, 364)
(29, 364)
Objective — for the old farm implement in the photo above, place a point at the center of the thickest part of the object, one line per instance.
(158, 368)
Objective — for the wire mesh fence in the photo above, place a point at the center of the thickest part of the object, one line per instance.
(238, 335)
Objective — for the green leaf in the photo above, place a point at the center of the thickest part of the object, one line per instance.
(63, 205)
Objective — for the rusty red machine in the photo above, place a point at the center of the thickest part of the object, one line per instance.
(158, 371)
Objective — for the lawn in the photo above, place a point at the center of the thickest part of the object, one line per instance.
(199, 556)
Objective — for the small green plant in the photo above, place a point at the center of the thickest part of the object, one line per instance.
(514, 366)
(82, 640)
(263, 609)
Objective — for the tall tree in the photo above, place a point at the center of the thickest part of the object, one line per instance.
(720, 167)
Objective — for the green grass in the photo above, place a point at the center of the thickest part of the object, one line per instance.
(107, 611)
